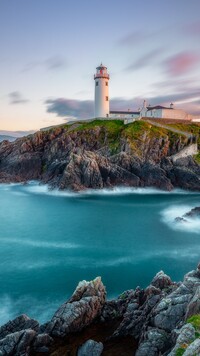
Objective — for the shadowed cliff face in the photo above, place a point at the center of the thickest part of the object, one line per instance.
(100, 154)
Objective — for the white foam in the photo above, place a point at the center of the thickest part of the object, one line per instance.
(36, 188)
(39, 244)
(170, 214)
(114, 262)
(41, 310)
(5, 303)
(8, 186)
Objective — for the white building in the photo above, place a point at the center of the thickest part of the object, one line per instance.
(163, 112)
(124, 114)
(102, 109)
(101, 92)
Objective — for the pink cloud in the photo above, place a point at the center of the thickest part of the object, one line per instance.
(181, 63)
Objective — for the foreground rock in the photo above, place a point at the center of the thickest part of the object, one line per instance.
(157, 317)
(80, 310)
(91, 348)
(20, 323)
(17, 343)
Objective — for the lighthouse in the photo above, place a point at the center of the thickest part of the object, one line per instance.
(101, 79)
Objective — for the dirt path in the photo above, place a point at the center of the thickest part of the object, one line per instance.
(186, 134)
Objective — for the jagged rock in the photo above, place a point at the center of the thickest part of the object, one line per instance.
(155, 316)
(186, 335)
(90, 348)
(22, 322)
(155, 342)
(138, 312)
(42, 343)
(17, 343)
(152, 175)
(184, 178)
(193, 213)
(80, 310)
(113, 309)
(171, 310)
(192, 280)
(181, 219)
(194, 305)
(161, 280)
(80, 156)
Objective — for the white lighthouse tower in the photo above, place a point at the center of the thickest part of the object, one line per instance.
(101, 92)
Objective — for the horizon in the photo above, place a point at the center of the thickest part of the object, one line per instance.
(50, 51)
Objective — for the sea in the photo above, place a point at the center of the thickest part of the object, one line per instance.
(51, 240)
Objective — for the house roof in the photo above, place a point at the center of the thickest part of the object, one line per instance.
(158, 107)
(124, 112)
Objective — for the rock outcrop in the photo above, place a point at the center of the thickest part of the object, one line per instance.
(100, 154)
(192, 214)
(91, 348)
(80, 310)
(162, 319)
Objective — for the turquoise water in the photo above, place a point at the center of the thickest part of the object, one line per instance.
(49, 241)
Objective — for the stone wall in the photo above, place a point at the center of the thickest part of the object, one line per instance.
(185, 152)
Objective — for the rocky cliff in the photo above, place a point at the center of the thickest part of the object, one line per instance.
(101, 154)
(162, 319)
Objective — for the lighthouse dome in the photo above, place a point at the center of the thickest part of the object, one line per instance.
(101, 67)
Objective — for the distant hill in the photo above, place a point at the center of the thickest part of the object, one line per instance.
(15, 134)
(8, 138)
(12, 135)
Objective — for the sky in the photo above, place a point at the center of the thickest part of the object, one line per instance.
(49, 51)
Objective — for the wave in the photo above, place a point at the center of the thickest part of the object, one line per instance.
(40, 244)
(41, 310)
(8, 186)
(82, 263)
(36, 188)
(171, 213)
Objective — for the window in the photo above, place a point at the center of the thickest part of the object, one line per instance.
(97, 83)
(106, 84)
(106, 98)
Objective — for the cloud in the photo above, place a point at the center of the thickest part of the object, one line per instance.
(132, 38)
(55, 63)
(17, 98)
(181, 63)
(145, 60)
(84, 109)
(188, 101)
(51, 63)
(69, 108)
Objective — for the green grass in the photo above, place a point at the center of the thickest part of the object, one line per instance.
(195, 321)
(189, 128)
(110, 125)
(180, 351)
(197, 158)
(113, 134)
